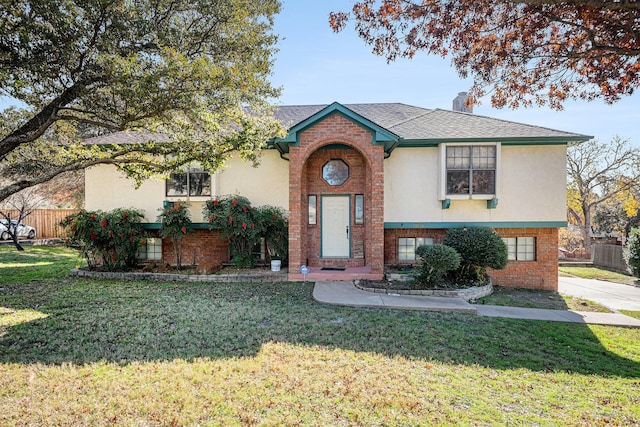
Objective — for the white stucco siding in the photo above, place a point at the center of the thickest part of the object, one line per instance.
(106, 189)
(531, 187)
(411, 186)
(534, 184)
(267, 184)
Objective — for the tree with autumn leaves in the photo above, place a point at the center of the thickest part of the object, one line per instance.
(603, 182)
(521, 52)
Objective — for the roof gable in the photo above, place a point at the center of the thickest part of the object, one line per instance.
(380, 134)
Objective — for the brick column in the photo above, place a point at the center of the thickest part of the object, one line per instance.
(296, 249)
(375, 253)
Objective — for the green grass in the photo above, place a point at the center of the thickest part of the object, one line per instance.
(630, 313)
(36, 263)
(597, 273)
(89, 352)
(539, 299)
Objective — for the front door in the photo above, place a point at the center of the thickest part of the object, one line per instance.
(335, 232)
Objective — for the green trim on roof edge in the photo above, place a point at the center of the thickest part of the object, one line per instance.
(380, 135)
(412, 143)
(497, 224)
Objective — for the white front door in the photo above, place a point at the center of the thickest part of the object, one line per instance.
(335, 233)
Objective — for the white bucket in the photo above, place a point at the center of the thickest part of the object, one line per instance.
(275, 265)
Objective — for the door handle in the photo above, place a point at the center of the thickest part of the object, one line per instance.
(347, 231)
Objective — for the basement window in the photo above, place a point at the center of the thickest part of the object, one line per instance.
(521, 248)
(407, 247)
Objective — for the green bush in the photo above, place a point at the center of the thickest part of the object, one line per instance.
(434, 262)
(478, 248)
(245, 225)
(274, 226)
(632, 253)
(175, 224)
(237, 221)
(108, 238)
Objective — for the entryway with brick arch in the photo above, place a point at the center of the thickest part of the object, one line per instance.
(336, 199)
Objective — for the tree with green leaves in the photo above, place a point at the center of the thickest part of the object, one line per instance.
(632, 252)
(189, 78)
(522, 52)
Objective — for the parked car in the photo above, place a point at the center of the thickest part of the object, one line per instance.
(4, 234)
(21, 229)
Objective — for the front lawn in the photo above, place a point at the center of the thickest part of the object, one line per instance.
(89, 352)
(36, 263)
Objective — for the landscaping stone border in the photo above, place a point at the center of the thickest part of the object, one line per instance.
(468, 294)
(267, 276)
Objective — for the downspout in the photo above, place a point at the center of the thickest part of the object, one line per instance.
(281, 151)
(388, 152)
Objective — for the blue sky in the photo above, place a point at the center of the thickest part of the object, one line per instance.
(316, 66)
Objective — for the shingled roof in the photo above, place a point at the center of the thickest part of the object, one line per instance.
(409, 125)
(413, 124)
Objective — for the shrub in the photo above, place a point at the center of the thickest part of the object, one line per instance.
(632, 253)
(478, 248)
(108, 238)
(434, 262)
(274, 226)
(175, 224)
(237, 221)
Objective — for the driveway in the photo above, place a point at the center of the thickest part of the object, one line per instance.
(611, 295)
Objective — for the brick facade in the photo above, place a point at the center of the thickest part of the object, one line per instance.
(337, 137)
(201, 246)
(391, 237)
(539, 274)
(354, 146)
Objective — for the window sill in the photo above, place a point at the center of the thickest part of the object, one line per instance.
(492, 201)
(471, 196)
(189, 198)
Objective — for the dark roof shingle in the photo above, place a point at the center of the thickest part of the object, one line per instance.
(416, 123)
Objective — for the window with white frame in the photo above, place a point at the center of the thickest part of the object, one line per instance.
(196, 182)
(521, 248)
(471, 169)
(151, 250)
(407, 247)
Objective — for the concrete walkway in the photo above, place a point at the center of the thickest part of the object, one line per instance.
(346, 294)
(612, 295)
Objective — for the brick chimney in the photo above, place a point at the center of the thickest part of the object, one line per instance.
(459, 103)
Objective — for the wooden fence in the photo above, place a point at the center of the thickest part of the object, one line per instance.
(45, 221)
(609, 256)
